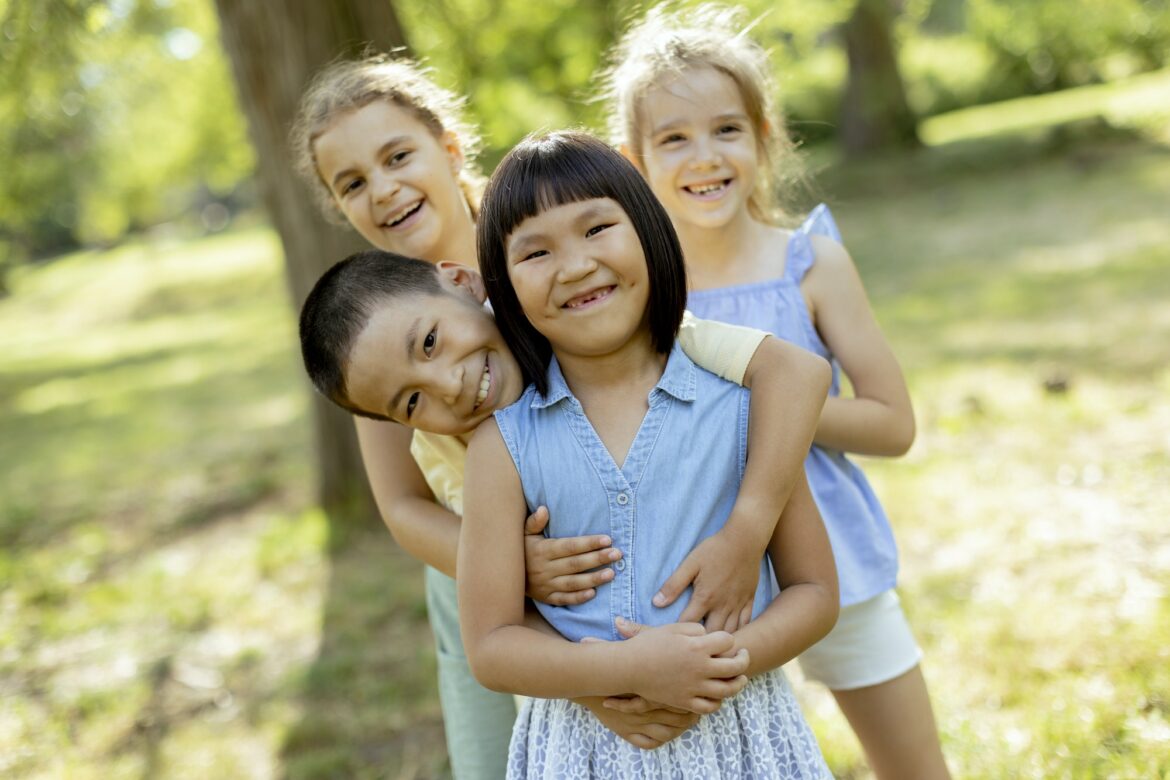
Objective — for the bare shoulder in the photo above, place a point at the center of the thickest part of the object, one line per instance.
(487, 441)
(831, 255)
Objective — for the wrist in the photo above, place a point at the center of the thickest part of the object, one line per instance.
(744, 529)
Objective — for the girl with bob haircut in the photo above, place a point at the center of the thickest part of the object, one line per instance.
(690, 101)
(587, 280)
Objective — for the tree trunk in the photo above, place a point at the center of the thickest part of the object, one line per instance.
(875, 114)
(274, 49)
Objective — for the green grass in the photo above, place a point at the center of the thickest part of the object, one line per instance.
(172, 604)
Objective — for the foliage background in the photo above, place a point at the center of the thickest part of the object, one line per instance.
(173, 605)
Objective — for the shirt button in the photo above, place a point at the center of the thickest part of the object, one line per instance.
(620, 565)
(623, 498)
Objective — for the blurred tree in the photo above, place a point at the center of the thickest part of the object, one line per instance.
(875, 113)
(117, 116)
(274, 50)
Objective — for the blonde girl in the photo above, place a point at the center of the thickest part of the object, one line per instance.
(386, 149)
(690, 100)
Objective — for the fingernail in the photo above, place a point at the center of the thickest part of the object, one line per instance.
(658, 600)
(605, 541)
(615, 554)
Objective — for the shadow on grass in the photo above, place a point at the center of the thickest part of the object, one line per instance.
(369, 701)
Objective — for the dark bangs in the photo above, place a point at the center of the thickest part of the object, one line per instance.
(554, 169)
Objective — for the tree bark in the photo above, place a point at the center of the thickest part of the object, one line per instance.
(875, 114)
(274, 49)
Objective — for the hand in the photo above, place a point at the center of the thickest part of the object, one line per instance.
(564, 571)
(680, 665)
(646, 725)
(725, 571)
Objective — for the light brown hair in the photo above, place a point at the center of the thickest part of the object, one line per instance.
(347, 85)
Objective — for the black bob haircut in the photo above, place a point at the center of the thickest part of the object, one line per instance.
(340, 305)
(548, 170)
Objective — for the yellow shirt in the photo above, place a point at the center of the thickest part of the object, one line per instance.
(720, 348)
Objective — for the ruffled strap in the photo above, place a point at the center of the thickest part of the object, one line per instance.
(801, 256)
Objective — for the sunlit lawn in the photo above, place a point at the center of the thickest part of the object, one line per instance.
(173, 606)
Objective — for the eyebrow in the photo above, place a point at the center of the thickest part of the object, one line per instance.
(381, 151)
(595, 211)
(682, 121)
(411, 340)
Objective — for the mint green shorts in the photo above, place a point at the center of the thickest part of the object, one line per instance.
(478, 722)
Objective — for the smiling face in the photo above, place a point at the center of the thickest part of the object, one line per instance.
(580, 276)
(699, 149)
(394, 180)
(434, 362)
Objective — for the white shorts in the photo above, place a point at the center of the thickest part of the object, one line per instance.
(870, 644)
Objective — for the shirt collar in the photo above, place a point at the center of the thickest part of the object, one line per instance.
(677, 380)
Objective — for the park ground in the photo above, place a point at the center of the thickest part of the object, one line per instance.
(174, 606)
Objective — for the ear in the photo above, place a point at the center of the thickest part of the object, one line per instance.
(628, 153)
(466, 279)
(454, 150)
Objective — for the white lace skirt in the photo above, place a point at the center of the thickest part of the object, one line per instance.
(758, 735)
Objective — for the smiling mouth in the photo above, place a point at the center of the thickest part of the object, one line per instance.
(709, 188)
(404, 215)
(593, 296)
(485, 384)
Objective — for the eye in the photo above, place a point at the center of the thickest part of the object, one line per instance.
(671, 138)
(533, 255)
(729, 129)
(350, 187)
(598, 228)
(398, 157)
(428, 344)
(411, 403)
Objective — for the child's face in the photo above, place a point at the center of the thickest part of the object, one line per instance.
(394, 181)
(580, 275)
(435, 362)
(698, 147)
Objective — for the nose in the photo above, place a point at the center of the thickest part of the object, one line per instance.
(383, 186)
(576, 265)
(449, 384)
(706, 155)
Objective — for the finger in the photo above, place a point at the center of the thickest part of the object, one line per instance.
(536, 521)
(562, 599)
(731, 622)
(718, 642)
(676, 583)
(717, 621)
(725, 668)
(745, 616)
(628, 628)
(661, 733)
(643, 741)
(584, 562)
(555, 549)
(722, 689)
(631, 705)
(702, 706)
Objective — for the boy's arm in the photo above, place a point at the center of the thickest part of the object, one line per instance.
(789, 385)
(878, 419)
(678, 665)
(423, 528)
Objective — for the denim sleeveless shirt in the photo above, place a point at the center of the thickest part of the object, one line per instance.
(676, 487)
(863, 542)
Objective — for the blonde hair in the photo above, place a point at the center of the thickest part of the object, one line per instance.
(347, 85)
(667, 42)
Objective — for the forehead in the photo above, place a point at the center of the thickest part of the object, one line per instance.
(364, 130)
(693, 92)
(565, 214)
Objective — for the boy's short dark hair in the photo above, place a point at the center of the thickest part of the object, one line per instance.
(544, 171)
(340, 305)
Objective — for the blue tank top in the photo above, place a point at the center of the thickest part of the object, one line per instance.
(677, 486)
(863, 542)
